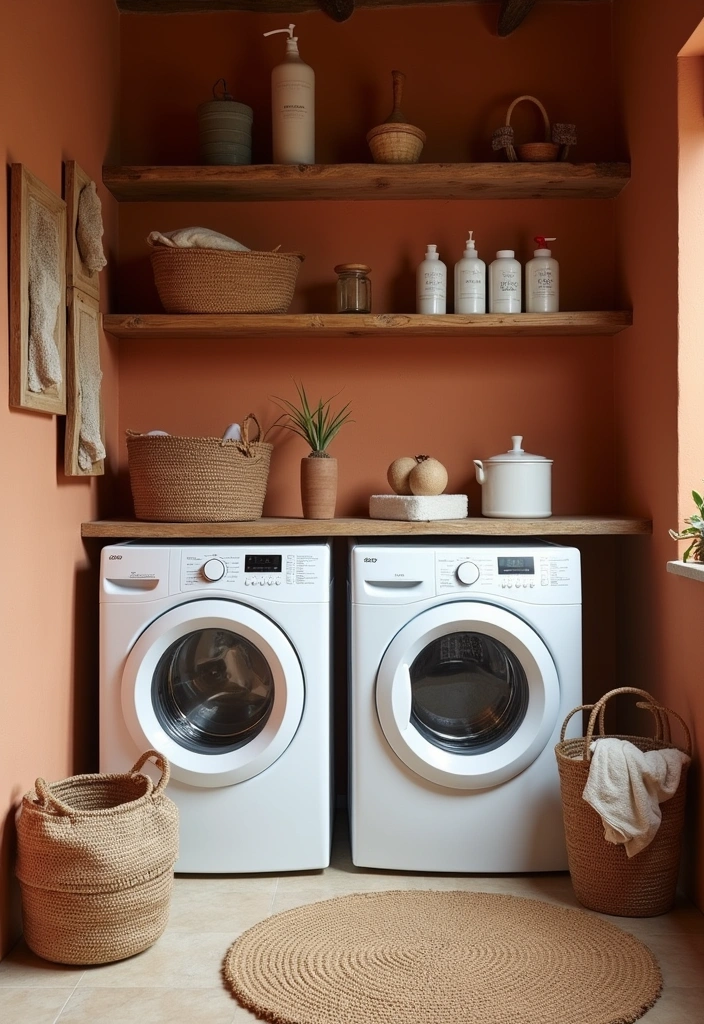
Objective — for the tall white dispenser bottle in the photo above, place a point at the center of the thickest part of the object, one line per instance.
(505, 283)
(542, 280)
(431, 283)
(292, 105)
(470, 281)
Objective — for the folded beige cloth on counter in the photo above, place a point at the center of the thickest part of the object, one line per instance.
(626, 787)
(195, 238)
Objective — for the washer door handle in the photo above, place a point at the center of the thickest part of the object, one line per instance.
(402, 697)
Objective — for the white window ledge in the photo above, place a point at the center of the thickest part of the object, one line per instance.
(693, 570)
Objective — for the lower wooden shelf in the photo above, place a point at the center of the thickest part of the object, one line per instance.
(156, 326)
(476, 526)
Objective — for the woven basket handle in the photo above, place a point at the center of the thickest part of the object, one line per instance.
(660, 713)
(47, 799)
(161, 763)
(574, 711)
(245, 445)
(541, 108)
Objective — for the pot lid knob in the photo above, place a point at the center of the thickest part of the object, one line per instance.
(517, 440)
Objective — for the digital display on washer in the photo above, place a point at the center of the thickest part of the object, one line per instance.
(262, 563)
(518, 566)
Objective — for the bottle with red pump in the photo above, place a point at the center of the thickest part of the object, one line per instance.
(542, 279)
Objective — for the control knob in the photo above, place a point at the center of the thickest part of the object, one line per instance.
(468, 573)
(213, 570)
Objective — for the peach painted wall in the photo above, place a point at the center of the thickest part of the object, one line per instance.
(59, 73)
(660, 615)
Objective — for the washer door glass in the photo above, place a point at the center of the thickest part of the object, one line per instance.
(217, 687)
(469, 692)
(213, 690)
(467, 695)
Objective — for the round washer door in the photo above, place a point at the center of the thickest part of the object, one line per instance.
(467, 695)
(215, 686)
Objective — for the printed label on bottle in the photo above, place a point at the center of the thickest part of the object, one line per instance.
(471, 285)
(432, 283)
(290, 106)
(544, 283)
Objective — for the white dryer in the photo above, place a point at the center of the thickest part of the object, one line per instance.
(464, 661)
(218, 656)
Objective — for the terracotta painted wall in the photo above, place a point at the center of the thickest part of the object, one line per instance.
(660, 615)
(458, 400)
(59, 66)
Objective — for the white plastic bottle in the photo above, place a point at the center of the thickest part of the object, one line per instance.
(431, 283)
(470, 281)
(542, 280)
(292, 105)
(505, 283)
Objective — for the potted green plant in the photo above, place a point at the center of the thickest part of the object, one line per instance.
(694, 531)
(317, 425)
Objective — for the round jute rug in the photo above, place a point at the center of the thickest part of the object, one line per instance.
(419, 957)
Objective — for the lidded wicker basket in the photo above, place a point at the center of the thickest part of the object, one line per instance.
(95, 859)
(603, 876)
(220, 281)
(555, 145)
(198, 479)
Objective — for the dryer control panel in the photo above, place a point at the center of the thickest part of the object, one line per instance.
(301, 573)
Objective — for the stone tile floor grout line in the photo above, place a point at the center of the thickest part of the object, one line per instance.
(273, 898)
(68, 999)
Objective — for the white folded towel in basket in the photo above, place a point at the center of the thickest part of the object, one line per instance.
(195, 238)
(626, 787)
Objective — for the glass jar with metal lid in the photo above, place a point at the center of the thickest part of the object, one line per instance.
(354, 289)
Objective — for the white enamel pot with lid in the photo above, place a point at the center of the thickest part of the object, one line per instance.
(515, 485)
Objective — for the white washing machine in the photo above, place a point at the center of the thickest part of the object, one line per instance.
(218, 656)
(464, 661)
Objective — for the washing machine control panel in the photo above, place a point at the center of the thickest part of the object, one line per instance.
(271, 573)
(534, 574)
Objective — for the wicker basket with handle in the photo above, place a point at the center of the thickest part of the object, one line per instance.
(199, 479)
(603, 876)
(555, 144)
(219, 281)
(95, 859)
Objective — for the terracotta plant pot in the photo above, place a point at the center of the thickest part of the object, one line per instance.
(318, 487)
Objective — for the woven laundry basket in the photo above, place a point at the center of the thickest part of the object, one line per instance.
(198, 479)
(95, 859)
(603, 876)
(218, 281)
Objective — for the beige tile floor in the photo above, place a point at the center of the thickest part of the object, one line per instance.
(178, 979)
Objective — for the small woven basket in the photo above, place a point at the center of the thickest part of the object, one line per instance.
(198, 479)
(396, 143)
(217, 281)
(95, 859)
(555, 145)
(603, 876)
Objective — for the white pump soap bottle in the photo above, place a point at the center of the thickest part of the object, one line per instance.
(292, 105)
(542, 280)
(431, 283)
(470, 281)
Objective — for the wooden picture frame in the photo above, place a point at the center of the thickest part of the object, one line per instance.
(77, 274)
(35, 206)
(80, 307)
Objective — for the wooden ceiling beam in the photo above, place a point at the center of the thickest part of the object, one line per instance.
(284, 7)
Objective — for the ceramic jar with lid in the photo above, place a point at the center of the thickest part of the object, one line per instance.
(515, 485)
(354, 289)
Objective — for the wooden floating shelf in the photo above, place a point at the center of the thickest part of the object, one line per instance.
(555, 526)
(355, 325)
(266, 182)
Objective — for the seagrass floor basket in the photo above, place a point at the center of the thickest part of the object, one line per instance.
(95, 860)
(199, 479)
(218, 281)
(603, 876)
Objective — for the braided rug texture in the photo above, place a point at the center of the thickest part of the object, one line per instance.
(424, 957)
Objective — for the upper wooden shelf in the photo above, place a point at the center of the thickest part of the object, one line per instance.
(555, 526)
(367, 181)
(336, 325)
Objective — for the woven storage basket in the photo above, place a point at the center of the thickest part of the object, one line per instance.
(557, 138)
(95, 859)
(603, 876)
(216, 281)
(198, 479)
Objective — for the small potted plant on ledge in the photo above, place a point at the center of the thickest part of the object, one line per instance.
(694, 531)
(317, 425)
